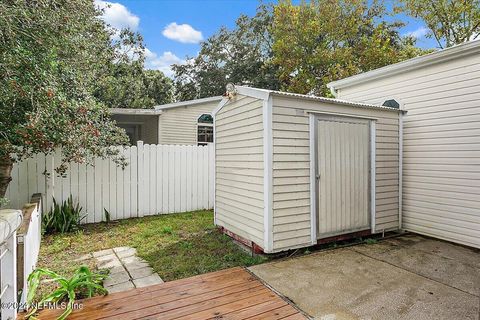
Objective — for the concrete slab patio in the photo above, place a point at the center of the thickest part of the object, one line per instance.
(408, 277)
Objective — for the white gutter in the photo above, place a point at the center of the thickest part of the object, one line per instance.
(135, 112)
(188, 103)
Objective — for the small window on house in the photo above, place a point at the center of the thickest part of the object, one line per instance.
(205, 129)
(391, 104)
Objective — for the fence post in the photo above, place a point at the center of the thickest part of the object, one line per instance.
(9, 222)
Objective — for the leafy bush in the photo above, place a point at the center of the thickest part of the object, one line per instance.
(65, 217)
(82, 284)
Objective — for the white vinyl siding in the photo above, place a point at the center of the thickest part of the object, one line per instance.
(179, 125)
(441, 162)
(291, 168)
(239, 201)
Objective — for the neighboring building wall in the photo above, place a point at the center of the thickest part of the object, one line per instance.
(291, 168)
(239, 190)
(441, 163)
(179, 125)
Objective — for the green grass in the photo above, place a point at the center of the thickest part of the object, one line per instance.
(175, 245)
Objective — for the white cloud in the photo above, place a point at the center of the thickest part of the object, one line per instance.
(418, 33)
(162, 62)
(182, 32)
(117, 15)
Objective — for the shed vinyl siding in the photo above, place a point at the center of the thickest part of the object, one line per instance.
(291, 168)
(239, 194)
(441, 145)
(179, 125)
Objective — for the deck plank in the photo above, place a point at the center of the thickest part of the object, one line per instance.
(232, 294)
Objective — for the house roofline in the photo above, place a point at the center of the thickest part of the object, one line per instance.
(187, 103)
(136, 112)
(407, 65)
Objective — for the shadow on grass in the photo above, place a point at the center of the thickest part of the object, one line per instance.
(199, 253)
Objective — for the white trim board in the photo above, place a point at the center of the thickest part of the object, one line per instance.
(373, 162)
(268, 174)
(313, 178)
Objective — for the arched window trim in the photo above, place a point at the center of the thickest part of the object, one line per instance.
(204, 123)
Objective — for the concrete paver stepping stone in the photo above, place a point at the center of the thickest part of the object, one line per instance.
(117, 278)
(141, 272)
(148, 281)
(120, 287)
(126, 253)
(126, 270)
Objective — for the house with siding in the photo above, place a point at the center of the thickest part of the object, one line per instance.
(183, 123)
(440, 167)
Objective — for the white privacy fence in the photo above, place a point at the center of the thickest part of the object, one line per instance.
(159, 179)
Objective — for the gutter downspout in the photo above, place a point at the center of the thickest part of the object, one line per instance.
(400, 169)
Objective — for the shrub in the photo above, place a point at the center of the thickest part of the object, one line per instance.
(65, 217)
(83, 284)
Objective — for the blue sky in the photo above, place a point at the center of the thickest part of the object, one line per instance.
(172, 29)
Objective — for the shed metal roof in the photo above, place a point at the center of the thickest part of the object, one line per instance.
(264, 94)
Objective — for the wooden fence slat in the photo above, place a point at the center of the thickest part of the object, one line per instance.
(164, 178)
(119, 189)
(195, 169)
(127, 180)
(171, 181)
(183, 179)
(133, 182)
(50, 181)
(152, 183)
(158, 180)
(177, 179)
(189, 171)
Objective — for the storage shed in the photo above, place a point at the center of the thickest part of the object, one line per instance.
(292, 170)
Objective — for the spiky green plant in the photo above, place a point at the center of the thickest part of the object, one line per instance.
(64, 217)
(82, 281)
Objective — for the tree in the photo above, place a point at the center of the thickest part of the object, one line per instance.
(53, 53)
(325, 40)
(240, 56)
(127, 84)
(450, 22)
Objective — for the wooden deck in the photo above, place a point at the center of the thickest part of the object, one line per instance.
(227, 294)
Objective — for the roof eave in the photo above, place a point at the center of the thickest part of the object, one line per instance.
(187, 103)
(135, 112)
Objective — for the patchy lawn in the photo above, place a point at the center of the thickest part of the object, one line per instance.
(175, 245)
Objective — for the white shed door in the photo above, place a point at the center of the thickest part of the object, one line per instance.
(343, 171)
